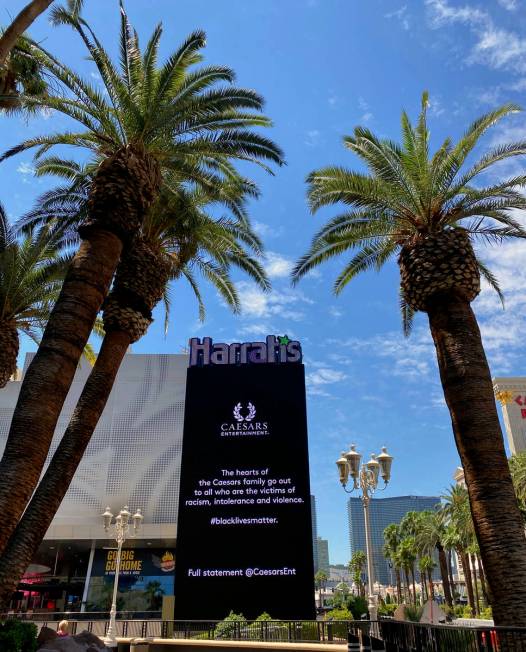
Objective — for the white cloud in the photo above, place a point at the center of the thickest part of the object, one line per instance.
(364, 106)
(285, 303)
(400, 15)
(495, 47)
(335, 312)
(25, 168)
(510, 5)
(266, 230)
(277, 266)
(313, 138)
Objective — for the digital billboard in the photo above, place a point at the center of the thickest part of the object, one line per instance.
(244, 540)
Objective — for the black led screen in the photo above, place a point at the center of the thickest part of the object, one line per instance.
(244, 540)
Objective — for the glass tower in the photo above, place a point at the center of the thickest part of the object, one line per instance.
(383, 512)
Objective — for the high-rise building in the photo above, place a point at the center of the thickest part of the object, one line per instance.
(134, 459)
(314, 519)
(322, 546)
(383, 512)
(511, 394)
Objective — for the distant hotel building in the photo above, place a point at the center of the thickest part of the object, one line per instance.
(134, 459)
(511, 394)
(322, 547)
(383, 512)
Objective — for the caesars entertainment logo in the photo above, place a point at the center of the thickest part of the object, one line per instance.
(244, 423)
(275, 350)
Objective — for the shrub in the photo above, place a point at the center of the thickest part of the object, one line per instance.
(387, 609)
(357, 606)
(229, 627)
(17, 636)
(339, 614)
(486, 614)
(414, 613)
(264, 616)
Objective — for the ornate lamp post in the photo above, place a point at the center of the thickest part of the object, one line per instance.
(365, 477)
(121, 531)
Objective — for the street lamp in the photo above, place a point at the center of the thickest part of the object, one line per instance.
(365, 477)
(121, 531)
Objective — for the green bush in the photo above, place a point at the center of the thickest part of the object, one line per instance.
(17, 636)
(339, 614)
(357, 606)
(486, 614)
(229, 627)
(264, 616)
(387, 608)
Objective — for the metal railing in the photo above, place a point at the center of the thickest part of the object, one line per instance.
(388, 635)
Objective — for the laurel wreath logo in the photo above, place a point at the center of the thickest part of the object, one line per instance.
(239, 417)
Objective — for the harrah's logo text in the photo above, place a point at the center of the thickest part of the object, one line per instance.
(274, 349)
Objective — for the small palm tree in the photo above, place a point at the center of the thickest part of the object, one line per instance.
(518, 473)
(31, 275)
(151, 120)
(426, 566)
(427, 209)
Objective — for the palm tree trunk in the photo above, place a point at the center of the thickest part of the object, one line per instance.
(123, 189)
(398, 585)
(423, 587)
(469, 583)
(450, 575)
(468, 391)
(471, 558)
(414, 584)
(431, 587)
(483, 584)
(19, 25)
(407, 586)
(8, 350)
(52, 488)
(444, 574)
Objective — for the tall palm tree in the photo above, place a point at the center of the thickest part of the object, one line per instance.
(20, 72)
(178, 238)
(391, 543)
(151, 119)
(407, 556)
(427, 209)
(429, 537)
(357, 568)
(31, 274)
(461, 533)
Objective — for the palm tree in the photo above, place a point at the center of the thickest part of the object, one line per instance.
(428, 209)
(426, 566)
(391, 543)
(461, 533)
(151, 120)
(20, 72)
(179, 237)
(357, 568)
(406, 558)
(31, 274)
(430, 537)
(320, 580)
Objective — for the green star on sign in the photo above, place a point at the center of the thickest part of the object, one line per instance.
(283, 340)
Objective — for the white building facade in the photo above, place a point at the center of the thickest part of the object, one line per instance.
(133, 459)
(511, 394)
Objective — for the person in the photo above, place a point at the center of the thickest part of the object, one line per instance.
(63, 628)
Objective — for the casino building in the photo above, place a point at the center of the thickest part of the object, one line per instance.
(134, 459)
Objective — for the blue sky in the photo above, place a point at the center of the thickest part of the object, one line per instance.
(325, 66)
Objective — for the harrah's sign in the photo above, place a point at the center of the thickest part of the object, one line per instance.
(274, 349)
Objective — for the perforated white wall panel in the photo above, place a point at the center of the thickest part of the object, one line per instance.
(134, 456)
